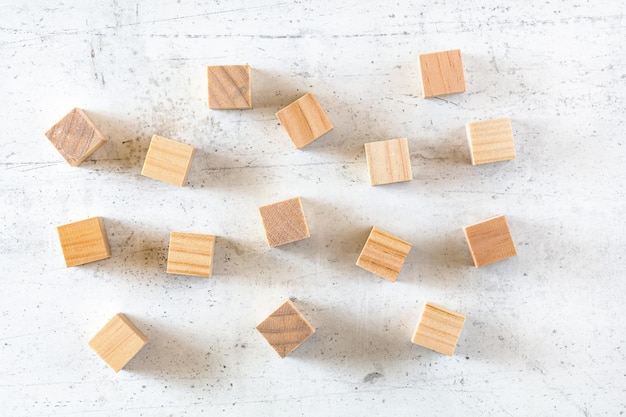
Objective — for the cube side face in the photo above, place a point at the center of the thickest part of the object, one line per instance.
(304, 120)
(84, 241)
(191, 254)
(491, 141)
(284, 222)
(442, 73)
(490, 241)
(388, 161)
(168, 161)
(285, 329)
(118, 342)
(383, 254)
(439, 329)
(75, 137)
(229, 87)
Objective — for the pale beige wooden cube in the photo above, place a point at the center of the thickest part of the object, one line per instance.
(442, 73)
(191, 254)
(230, 87)
(285, 329)
(304, 120)
(490, 241)
(168, 161)
(84, 241)
(75, 137)
(383, 254)
(438, 329)
(118, 342)
(388, 161)
(491, 141)
(284, 222)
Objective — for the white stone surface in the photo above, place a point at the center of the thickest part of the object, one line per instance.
(545, 331)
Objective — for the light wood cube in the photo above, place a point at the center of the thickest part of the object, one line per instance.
(442, 73)
(190, 254)
(75, 137)
(439, 329)
(304, 120)
(285, 329)
(168, 161)
(490, 241)
(388, 161)
(383, 254)
(229, 87)
(491, 141)
(284, 222)
(84, 241)
(118, 342)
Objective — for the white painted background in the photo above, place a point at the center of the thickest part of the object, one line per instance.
(545, 332)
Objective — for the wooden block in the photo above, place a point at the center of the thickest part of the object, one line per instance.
(168, 161)
(388, 161)
(118, 342)
(442, 73)
(304, 120)
(383, 254)
(285, 329)
(284, 222)
(229, 87)
(491, 141)
(490, 241)
(190, 254)
(439, 329)
(75, 137)
(84, 241)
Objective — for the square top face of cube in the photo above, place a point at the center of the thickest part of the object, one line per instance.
(118, 342)
(491, 141)
(75, 137)
(284, 222)
(383, 254)
(84, 241)
(490, 241)
(285, 329)
(388, 161)
(190, 254)
(168, 161)
(439, 329)
(229, 87)
(442, 73)
(304, 120)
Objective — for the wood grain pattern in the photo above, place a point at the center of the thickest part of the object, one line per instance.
(230, 87)
(304, 120)
(168, 161)
(118, 342)
(491, 141)
(284, 222)
(383, 254)
(490, 241)
(190, 254)
(84, 241)
(75, 137)
(285, 329)
(442, 73)
(439, 329)
(388, 161)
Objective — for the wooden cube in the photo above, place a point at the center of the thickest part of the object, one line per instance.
(284, 222)
(229, 87)
(118, 342)
(84, 241)
(442, 73)
(75, 137)
(304, 120)
(168, 161)
(190, 254)
(490, 241)
(439, 329)
(490, 141)
(285, 329)
(388, 161)
(383, 254)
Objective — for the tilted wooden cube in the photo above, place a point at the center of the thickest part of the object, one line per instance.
(75, 137)
(304, 120)
(230, 87)
(388, 161)
(190, 254)
(383, 254)
(284, 222)
(84, 241)
(285, 329)
(442, 73)
(118, 342)
(491, 141)
(168, 161)
(490, 241)
(439, 329)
